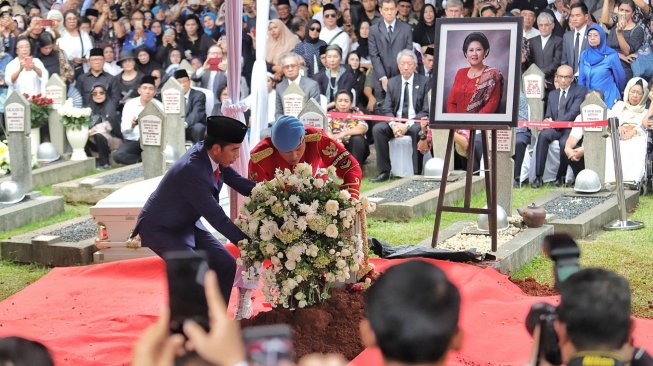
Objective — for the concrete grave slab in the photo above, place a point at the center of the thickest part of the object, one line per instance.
(422, 204)
(32, 209)
(93, 188)
(58, 172)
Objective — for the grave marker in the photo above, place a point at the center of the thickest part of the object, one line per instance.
(313, 115)
(533, 86)
(505, 166)
(174, 107)
(152, 126)
(18, 126)
(56, 90)
(293, 100)
(594, 109)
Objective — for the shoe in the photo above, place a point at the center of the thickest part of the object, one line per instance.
(381, 177)
(244, 310)
(103, 167)
(559, 182)
(537, 183)
(516, 184)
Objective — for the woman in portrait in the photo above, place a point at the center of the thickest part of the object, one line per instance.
(349, 131)
(600, 67)
(477, 88)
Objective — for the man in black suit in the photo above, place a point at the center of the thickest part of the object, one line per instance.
(563, 105)
(546, 49)
(575, 41)
(169, 221)
(386, 40)
(195, 119)
(406, 98)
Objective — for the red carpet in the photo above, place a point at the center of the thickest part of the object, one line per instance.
(93, 315)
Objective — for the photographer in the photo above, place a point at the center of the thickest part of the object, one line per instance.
(592, 324)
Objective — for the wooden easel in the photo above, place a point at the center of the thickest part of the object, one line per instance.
(490, 182)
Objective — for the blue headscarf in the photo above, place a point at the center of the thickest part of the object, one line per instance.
(594, 55)
(208, 31)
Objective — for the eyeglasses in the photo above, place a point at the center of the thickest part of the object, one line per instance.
(330, 15)
(314, 29)
(97, 93)
(290, 67)
(567, 77)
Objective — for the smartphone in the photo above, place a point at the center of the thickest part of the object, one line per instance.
(254, 31)
(269, 345)
(214, 63)
(622, 18)
(46, 22)
(186, 295)
(193, 2)
(138, 24)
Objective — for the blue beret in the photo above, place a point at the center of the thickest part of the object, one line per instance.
(287, 133)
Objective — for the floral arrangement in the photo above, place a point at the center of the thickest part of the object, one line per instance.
(39, 109)
(73, 117)
(305, 226)
(4, 158)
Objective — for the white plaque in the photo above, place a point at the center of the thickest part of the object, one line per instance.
(593, 112)
(55, 93)
(171, 101)
(313, 119)
(293, 104)
(533, 86)
(15, 117)
(504, 140)
(151, 128)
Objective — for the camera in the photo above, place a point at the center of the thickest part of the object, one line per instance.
(564, 252)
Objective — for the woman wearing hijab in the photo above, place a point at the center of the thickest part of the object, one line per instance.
(600, 68)
(361, 45)
(309, 48)
(280, 40)
(424, 32)
(210, 28)
(104, 135)
(632, 136)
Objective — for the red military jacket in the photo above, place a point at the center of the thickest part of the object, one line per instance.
(321, 152)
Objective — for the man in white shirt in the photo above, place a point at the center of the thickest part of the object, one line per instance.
(331, 33)
(130, 151)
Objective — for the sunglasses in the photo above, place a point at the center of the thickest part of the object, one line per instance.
(314, 29)
(330, 15)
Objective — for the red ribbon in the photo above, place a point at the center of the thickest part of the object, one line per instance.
(539, 124)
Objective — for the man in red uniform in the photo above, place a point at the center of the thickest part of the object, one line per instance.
(292, 143)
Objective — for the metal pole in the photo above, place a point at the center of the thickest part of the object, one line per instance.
(622, 223)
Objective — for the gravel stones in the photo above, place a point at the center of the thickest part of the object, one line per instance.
(408, 190)
(463, 241)
(77, 232)
(569, 207)
(123, 176)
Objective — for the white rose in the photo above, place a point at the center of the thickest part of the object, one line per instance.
(332, 207)
(318, 183)
(344, 195)
(331, 231)
(302, 304)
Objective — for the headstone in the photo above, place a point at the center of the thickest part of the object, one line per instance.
(293, 100)
(594, 109)
(313, 115)
(505, 166)
(533, 86)
(55, 89)
(174, 107)
(185, 65)
(152, 125)
(18, 125)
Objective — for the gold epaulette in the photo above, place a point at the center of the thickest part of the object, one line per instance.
(314, 137)
(258, 156)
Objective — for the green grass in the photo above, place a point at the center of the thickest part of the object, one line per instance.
(14, 277)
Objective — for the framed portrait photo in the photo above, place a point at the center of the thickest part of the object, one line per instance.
(476, 73)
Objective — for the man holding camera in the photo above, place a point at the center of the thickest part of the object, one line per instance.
(594, 322)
